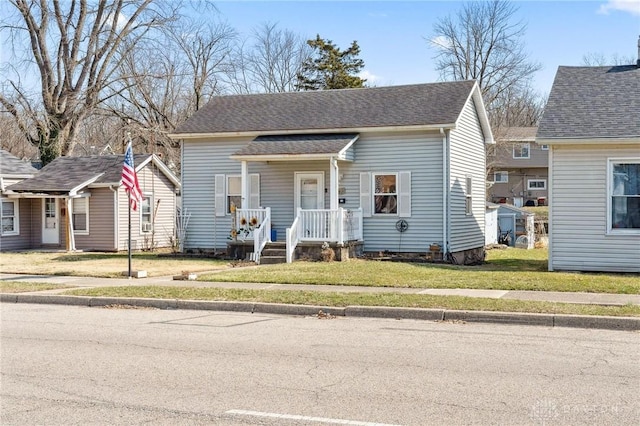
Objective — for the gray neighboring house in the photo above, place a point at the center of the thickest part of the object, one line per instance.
(16, 213)
(518, 168)
(79, 203)
(592, 126)
(387, 168)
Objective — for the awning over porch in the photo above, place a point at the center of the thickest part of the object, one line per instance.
(296, 147)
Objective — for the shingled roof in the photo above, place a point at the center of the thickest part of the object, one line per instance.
(409, 105)
(593, 103)
(12, 165)
(66, 173)
(330, 144)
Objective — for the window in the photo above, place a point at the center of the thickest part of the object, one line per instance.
(536, 184)
(501, 177)
(10, 217)
(80, 215)
(234, 192)
(521, 150)
(624, 194)
(146, 213)
(385, 195)
(468, 197)
(544, 147)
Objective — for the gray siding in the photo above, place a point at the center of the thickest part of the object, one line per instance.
(101, 222)
(202, 160)
(467, 158)
(419, 154)
(154, 182)
(578, 214)
(23, 240)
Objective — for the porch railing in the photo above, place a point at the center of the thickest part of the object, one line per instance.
(332, 226)
(259, 233)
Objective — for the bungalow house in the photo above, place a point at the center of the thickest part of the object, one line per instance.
(518, 168)
(16, 213)
(79, 203)
(592, 126)
(387, 168)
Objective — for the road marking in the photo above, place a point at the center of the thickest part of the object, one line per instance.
(305, 418)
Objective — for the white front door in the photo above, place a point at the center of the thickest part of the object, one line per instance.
(309, 187)
(50, 221)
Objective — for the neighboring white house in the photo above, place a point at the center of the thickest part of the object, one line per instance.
(592, 126)
(394, 168)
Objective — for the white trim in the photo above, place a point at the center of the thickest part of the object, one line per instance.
(502, 173)
(74, 191)
(255, 133)
(289, 157)
(320, 196)
(550, 203)
(227, 194)
(383, 194)
(146, 196)
(16, 217)
(476, 94)
(71, 212)
(623, 140)
(521, 145)
(544, 147)
(529, 188)
(57, 222)
(609, 193)
(468, 195)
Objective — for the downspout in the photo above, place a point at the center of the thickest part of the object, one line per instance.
(445, 193)
(116, 224)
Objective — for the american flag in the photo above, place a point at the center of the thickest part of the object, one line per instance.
(130, 179)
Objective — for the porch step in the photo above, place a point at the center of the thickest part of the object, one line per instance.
(274, 253)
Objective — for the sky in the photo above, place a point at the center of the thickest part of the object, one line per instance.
(393, 35)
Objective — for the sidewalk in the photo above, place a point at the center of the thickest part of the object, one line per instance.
(550, 320)
(549, 296)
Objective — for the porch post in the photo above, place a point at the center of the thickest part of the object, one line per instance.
(245, 185)
(333, 184)
(71, 240)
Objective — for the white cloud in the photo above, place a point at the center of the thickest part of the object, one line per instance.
(440, 42)
(630, 6)
(366, 75)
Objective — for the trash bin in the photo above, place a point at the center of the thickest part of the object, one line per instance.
(274, 235)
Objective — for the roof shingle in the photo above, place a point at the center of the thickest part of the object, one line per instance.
(65, 173)
(418, 104)
(12, 165)
(331, 143)
(593, 102)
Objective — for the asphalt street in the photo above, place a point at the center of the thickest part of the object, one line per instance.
(63, 365)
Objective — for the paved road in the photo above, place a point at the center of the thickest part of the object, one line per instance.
(77, 365)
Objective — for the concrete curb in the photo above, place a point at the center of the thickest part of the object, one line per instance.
(515, 318)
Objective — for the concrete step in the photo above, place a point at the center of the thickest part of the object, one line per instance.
(272, 260)
(274, 252)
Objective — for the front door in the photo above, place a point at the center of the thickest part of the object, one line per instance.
(50, 221)
(309, 187)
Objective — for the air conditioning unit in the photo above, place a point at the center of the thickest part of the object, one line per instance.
(147, 227)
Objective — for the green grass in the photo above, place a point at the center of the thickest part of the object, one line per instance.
(542, 212)
(331, 299)
(512, 269)
(24, 287)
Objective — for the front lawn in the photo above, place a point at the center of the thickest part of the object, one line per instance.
(511, 269)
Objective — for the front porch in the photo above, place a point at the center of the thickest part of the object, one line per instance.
(341, 229)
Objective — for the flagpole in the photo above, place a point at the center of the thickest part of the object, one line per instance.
(129, 244)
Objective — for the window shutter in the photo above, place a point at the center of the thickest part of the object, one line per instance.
(365, 194)
(254, 191)
(404, 194)
(220, 196)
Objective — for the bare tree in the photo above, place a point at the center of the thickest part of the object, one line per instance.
(593, 59)
(76, 46)
(269, 61)
(483, 43)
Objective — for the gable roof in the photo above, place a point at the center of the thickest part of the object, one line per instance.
(68, 174)
(434, 104)
(600, 104)
(10, 165)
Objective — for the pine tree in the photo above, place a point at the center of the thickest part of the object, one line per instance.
(331, 68)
